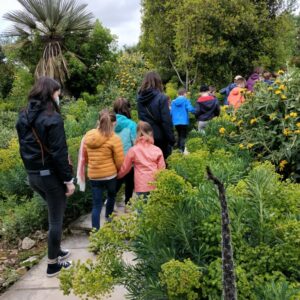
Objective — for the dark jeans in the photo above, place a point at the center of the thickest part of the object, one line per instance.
(98, 186)
(182, 131)
(129, 185)
(52, 190)
(165, 147)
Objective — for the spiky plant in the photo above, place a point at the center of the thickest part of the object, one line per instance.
(52, 21)
(229, 284)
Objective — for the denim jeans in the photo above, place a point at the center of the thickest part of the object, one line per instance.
(182, 131)
(129, 185)
(98, 187)
(52, 190)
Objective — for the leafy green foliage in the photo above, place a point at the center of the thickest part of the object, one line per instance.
(20, 217)
(93, 63)
(181, 221)
(271, 123)
(180, 278)
(192, 38)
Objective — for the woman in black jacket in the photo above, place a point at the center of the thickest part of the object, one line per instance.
(44, 152)
(153, 108)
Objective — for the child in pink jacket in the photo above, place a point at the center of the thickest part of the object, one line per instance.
(146, 158)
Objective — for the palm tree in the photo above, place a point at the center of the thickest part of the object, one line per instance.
(52, 21)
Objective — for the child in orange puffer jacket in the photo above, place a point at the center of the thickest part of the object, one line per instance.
(102, 150)
(236, 97)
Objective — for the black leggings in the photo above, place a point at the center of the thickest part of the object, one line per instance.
(52, 190)
(129, 185)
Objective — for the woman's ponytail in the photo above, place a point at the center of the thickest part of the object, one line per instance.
(105, 122)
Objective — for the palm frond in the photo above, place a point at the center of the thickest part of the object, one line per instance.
(52, 21)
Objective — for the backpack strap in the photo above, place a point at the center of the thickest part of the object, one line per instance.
(38, 140)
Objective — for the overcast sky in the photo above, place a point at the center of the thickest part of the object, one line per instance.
(122, 17)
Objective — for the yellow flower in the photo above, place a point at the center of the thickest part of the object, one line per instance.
(277, 81)
(286, 117)
(249, 146)
(297, 131)
(282, 87)
(233, 119)
(270, 88)
(286, 131)
(278, 92)
(240, 122)
(241, 146)
(253, 121)
(272, 116)
(280, 72)
(298, 124)
(222, 130)
(293, 115)
(283, 97)
(282, 165)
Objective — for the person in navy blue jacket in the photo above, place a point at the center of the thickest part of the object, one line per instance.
(207, 107)
(153, 108)
(180, 108)
(226, 91)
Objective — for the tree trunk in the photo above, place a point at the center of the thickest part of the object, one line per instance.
(175, 69)
(229, 284)
(187, 79)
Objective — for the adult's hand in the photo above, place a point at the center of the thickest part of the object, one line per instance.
(70, 189)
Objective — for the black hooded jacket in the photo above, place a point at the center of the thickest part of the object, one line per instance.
(153, 108)
(50, 130)
(206, 108)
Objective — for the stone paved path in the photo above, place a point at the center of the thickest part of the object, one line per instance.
(34, 285)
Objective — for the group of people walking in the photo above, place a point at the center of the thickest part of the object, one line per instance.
(117, 151)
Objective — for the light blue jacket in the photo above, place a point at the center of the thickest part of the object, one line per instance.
(180, 109)
(126, 130)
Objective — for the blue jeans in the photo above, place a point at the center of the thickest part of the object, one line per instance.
(98, 186)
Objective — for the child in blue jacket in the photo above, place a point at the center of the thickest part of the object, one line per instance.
(180, 109)
(126, 130)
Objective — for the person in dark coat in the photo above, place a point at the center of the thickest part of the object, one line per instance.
(153, 108)
(207, 107)
(255, 76)
(44, 152)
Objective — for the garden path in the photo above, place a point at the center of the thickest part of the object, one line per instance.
(34, 285)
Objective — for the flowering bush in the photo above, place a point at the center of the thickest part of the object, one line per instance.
(269, 121)
(131, 70)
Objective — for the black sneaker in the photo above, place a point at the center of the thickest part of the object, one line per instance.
(54, 269)
(63, 254)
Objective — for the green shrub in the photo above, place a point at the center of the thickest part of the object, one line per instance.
(20, 217)
(196, 144)
(181, 279)
(270, 121)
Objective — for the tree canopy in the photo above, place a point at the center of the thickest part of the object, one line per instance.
(215, 39)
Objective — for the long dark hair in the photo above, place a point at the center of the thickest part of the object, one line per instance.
(122, 107)
(151, 80)
(43, 90)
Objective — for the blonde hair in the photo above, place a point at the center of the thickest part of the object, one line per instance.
(105, 122)
(144, 129)
(241, 82)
